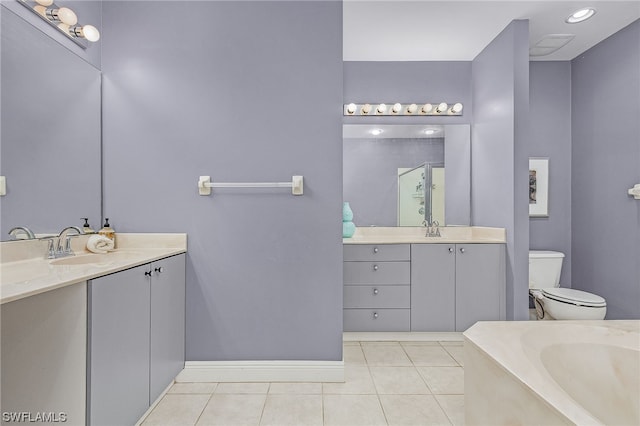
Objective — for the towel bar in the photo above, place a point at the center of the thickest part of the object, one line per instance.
(205, 185)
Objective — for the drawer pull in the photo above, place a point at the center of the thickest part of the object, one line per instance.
(450, 249)
(375, 315)
(461, 249)
(375, 292)
(375, 249)
(375, 267)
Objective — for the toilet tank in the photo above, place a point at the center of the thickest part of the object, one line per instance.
(545, 268)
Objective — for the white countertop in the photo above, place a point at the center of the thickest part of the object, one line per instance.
(416, 235)
(25, 271)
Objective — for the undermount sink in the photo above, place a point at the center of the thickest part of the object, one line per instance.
(87, 259)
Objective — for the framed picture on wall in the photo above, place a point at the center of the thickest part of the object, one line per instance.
(538, 187)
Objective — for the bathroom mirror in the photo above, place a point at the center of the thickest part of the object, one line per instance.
(400, 175)
(50, 153)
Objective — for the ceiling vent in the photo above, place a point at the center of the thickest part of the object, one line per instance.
(550, 43)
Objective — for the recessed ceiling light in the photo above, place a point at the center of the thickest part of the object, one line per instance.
(429, 131)
(580, 15)
(376, 132)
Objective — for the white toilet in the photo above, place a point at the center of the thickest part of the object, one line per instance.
(553, 302)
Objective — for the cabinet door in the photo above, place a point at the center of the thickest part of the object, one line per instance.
(118, 356)
(433, 287)
(167, 322)
(480, 284)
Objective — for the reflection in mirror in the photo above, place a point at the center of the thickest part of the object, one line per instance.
(50, 133)
(394, 175)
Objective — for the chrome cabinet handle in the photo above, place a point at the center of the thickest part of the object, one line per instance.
(375, 315)
(461, 249)
(450, 249)
(149, 273)
(160, 269)
(375, 291)
(375, 249)
(375, 267)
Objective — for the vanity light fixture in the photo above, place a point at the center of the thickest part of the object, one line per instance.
(64, 19)
(580, 15)
(400, 109)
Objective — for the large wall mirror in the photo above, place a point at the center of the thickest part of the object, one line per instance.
(50, 152)
(402, 175)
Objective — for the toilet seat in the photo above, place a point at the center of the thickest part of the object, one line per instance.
(574, 297)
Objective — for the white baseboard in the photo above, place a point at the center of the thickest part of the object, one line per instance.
(262, 371)
(400, 336)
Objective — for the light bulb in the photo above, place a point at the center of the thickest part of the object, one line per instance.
(64, 15)
(580, 15)
(442, 107)
(67, 16)
(429, 132)
(411, 109)
(41, 10)
(45, 2)
(396, 108)
(366, 109)
(456, 108)
(382, 108)
(89, 32)
(376, 132)
(351, 108)
(426, 108)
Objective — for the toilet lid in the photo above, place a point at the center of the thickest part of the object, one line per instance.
(576, 297)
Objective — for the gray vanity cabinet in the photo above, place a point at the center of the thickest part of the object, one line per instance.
(135, 339)
(455, 285)
(377, 291)
(433, 287)
(480, 284)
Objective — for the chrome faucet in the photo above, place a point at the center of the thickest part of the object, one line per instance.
(22, 230)
(433, 228)
(64, 239)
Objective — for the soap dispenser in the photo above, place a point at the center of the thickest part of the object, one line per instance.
(107, 230)
(86, 228)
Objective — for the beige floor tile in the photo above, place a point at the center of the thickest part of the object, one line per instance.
(177, 409)
(444, 380)
(388, 354)
(357, 380)
(413, 410)
(419, 343)
(353, 355)
(233, 410)
(350, 343)
(242, 388)
(204, 387)
(453, 406)
(452, 343)
(398, 381)
(429, 356)
(296, 388)
(457, 352)
(353, 410)
(292, 410)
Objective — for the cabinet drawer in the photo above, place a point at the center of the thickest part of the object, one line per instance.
(385, 296)
(376, 319)
(381, 273)
(377, 252)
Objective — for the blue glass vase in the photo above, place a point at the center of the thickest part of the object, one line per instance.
(348, 227)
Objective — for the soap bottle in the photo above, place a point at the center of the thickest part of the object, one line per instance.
(108, 231)
(86, 228)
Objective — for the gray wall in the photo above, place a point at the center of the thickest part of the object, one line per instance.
(370, 174)
(407, 82)
(550, 112)
(605, 227)
(88, 12)
(500, 79)
(227, 98)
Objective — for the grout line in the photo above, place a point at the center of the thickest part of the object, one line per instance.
(204, 408)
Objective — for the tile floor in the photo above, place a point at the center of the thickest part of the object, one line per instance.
(386, 383)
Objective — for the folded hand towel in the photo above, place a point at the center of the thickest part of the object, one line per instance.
(99, 244)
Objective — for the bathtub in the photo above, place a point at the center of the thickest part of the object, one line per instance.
(552, 372)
